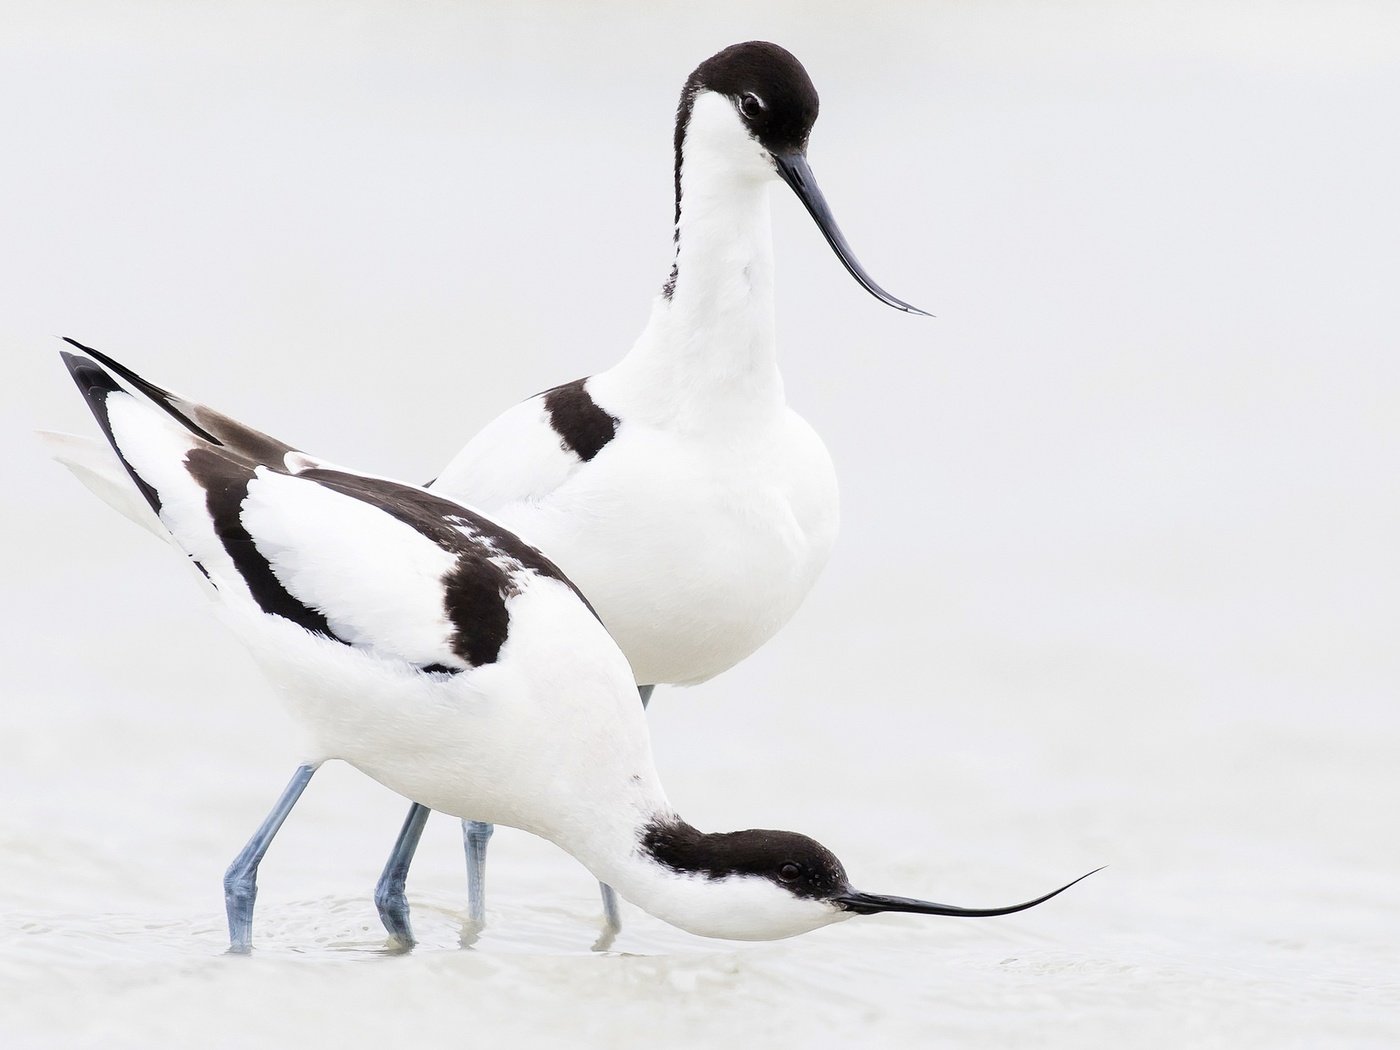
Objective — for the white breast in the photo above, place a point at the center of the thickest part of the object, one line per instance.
(693, 551)
(695, 510)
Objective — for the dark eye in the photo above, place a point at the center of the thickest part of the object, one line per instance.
(751, 105)
(789, 872)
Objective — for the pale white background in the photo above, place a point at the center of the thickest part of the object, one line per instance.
(1117, 576)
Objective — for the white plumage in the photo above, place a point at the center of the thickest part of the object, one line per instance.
(677, 489)
(699, 528)
(432, 649)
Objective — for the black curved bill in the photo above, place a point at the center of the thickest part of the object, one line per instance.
(870, 903)
(797, 173)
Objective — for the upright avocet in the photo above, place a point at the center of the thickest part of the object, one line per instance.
(677, 489)
(434, 650)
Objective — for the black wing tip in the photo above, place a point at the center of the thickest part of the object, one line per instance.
(172, 404)
(95, 358)
(91, 369)
(92, 379)
(144, 385)
(96, 384)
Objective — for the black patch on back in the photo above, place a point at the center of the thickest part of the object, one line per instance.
(683, 849)
(775, 76)
(475, 599)
(225, 483)
(477, 586)
(583, 427)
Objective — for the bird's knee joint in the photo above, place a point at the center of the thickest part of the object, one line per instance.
(389, 897)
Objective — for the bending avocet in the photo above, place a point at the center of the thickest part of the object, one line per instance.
(435, 651)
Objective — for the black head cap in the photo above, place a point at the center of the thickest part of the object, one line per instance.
(802, 866)
(771, 91)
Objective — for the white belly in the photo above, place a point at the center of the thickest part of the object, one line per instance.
(533, 740)
(692, 556)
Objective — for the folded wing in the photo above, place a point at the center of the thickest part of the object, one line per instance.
(360, 560)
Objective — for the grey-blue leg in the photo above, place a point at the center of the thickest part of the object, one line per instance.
(475, 836)
(388, 894)
(241, 879)
(611, 918)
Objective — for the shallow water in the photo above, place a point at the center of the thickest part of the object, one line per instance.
(1117, 575)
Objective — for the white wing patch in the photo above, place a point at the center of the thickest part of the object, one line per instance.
(377, 581)
(517, 456)
(156, 445)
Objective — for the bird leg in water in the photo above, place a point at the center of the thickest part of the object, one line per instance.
(241, 879)
(475, 836)
(612, 920)
(389, 895)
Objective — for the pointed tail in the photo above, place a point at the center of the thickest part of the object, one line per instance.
(95, 464)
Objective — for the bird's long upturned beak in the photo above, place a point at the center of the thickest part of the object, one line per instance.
(870, 903)
(797, 173)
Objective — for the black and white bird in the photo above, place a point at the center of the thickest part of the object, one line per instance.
(443, 656)
(677, 489)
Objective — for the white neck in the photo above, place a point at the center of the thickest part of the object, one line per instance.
(708, 349)
(736, 907)
(607, 830)
(607, 840)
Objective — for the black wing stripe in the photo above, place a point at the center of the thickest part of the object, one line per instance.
(225, 482)
(489, 560)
